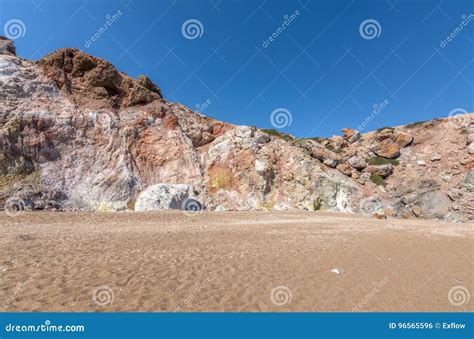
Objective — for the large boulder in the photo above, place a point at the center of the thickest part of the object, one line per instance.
(351, 135)
(470, 149)
(382, 170)
(433, 204)
(162, 197)
(402, 139)
(357, 162)
(387, 149)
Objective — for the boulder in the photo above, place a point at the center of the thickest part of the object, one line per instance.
(382, 170)
(357, 162)
(344, 169)
(470, 138)
(402, 139)
(469, 181)
(433, 204)
(351, 135)
(387, 149)
(162, 197)
(436, 157)
(319, 152)
(384, 134)
(330, 162)
(470, 149)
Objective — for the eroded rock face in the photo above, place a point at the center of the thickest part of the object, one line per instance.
(76, 134)
(6, 46)
(95, 82)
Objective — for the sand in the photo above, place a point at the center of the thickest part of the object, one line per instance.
(233, 261)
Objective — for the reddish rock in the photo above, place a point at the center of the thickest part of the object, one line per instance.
(387, 149)
(344, 169)
(382, 170)
(402, 139)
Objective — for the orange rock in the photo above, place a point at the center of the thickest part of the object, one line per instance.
(170, 121)
(387, 149)
(402, 139)
(348, 132)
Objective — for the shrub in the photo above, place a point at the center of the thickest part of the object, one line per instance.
(278, 134)
(415, 124)
(382, 161)
(377, 179)
(317, 204)
(333, 149)
(220, 178)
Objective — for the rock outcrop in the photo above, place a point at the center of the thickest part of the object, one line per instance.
(162, 197)
(76, 134)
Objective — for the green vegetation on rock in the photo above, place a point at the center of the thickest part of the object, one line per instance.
(278, 134)
(377, 179)
(415, 124)
(382, 161)
(317, 204)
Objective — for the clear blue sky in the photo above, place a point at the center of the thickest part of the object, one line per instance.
(319, 68)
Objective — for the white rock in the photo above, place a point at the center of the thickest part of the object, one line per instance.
(260, 166)
(470, 148)
(337, 270)
(421, 163)
(162, 197)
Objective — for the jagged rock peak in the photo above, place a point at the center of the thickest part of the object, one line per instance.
(95, 82)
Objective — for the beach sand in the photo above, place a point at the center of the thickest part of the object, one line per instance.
(233, 261)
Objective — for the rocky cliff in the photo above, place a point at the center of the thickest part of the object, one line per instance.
(76, 134)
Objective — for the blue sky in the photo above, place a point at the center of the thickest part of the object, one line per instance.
(322, 69)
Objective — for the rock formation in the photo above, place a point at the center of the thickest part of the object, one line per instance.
(76, 134)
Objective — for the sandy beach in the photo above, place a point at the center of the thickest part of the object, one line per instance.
(233, 261)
